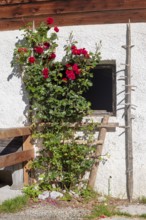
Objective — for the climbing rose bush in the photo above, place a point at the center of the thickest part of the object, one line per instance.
(56, 96)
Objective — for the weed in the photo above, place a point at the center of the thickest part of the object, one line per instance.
(142, 200)
(101, 210)
(32, 191)
(66, 197)
(14, 205)
(88, 194)
(119, 213)
(143, 215)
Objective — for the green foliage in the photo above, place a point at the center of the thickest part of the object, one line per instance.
(66, 197)
(101, 210)
(88, 194)
(142, 215)
(32, 191)
(55, 90)
(107, 210)
(14, 205)
(142, 200)
(119, 213)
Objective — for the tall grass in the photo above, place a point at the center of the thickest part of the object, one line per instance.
(14, 205)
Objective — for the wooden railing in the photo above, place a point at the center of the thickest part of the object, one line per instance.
(23, 156)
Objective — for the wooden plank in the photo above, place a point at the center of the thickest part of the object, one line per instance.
(14, 132)
(101, 136)
(63, 6)
(15, 158)
(110, 126)
(83, 142)
(26, 146)
(108, 17)
(46, 8)
(11, 2)
(10, 145)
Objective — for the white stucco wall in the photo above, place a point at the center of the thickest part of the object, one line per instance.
(13, 99)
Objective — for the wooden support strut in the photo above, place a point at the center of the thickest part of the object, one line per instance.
(101, 136)
(27, 145)
(18, 157)
(128, 118)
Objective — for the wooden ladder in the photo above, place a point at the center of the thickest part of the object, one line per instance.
(98, 152)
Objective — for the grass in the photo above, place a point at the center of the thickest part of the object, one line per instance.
(14, 205)
(88, 194)
(101, 210)
(142, 200)
(143, 215)
(119, 213)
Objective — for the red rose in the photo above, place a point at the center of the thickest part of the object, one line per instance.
(84, 51)
(46, 45)
(31, 59)
(75, 51)
(50, 20)
(45, 73)
(70, 74)
(68, 66)
(64, 79)
(79, 51)
(22, 49)
(73, 47)
(56, 29)
(39, 50)
(76, 69)
(52, 56)
(87, 56)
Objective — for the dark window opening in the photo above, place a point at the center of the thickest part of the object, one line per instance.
(102, 94)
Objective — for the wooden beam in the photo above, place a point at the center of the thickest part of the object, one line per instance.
(15, 158)
(10, 2)
(101, 136)
(20, 7)
(83, 142)
(14, 132)
(110, 126)
(85, 18)
(27, 145)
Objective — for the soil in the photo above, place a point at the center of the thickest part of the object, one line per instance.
(82, 203)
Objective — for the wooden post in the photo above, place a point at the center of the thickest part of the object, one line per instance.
(26, 146)
(128, 117)
(101, 137)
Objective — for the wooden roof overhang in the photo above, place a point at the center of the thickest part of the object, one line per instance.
(16, 13)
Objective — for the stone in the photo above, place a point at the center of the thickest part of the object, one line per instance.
(55, 195)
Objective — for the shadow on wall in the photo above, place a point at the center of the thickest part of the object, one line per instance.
(17, 71)
(7, 146)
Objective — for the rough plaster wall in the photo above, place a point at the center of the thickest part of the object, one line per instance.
(112, 37)
(12, 96)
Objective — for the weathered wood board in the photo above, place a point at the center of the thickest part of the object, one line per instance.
(15, 13)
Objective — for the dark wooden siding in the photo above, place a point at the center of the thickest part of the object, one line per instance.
(15, 13)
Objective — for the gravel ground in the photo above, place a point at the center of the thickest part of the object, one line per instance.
(133, 209)
(43, 211)
(46, 212)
